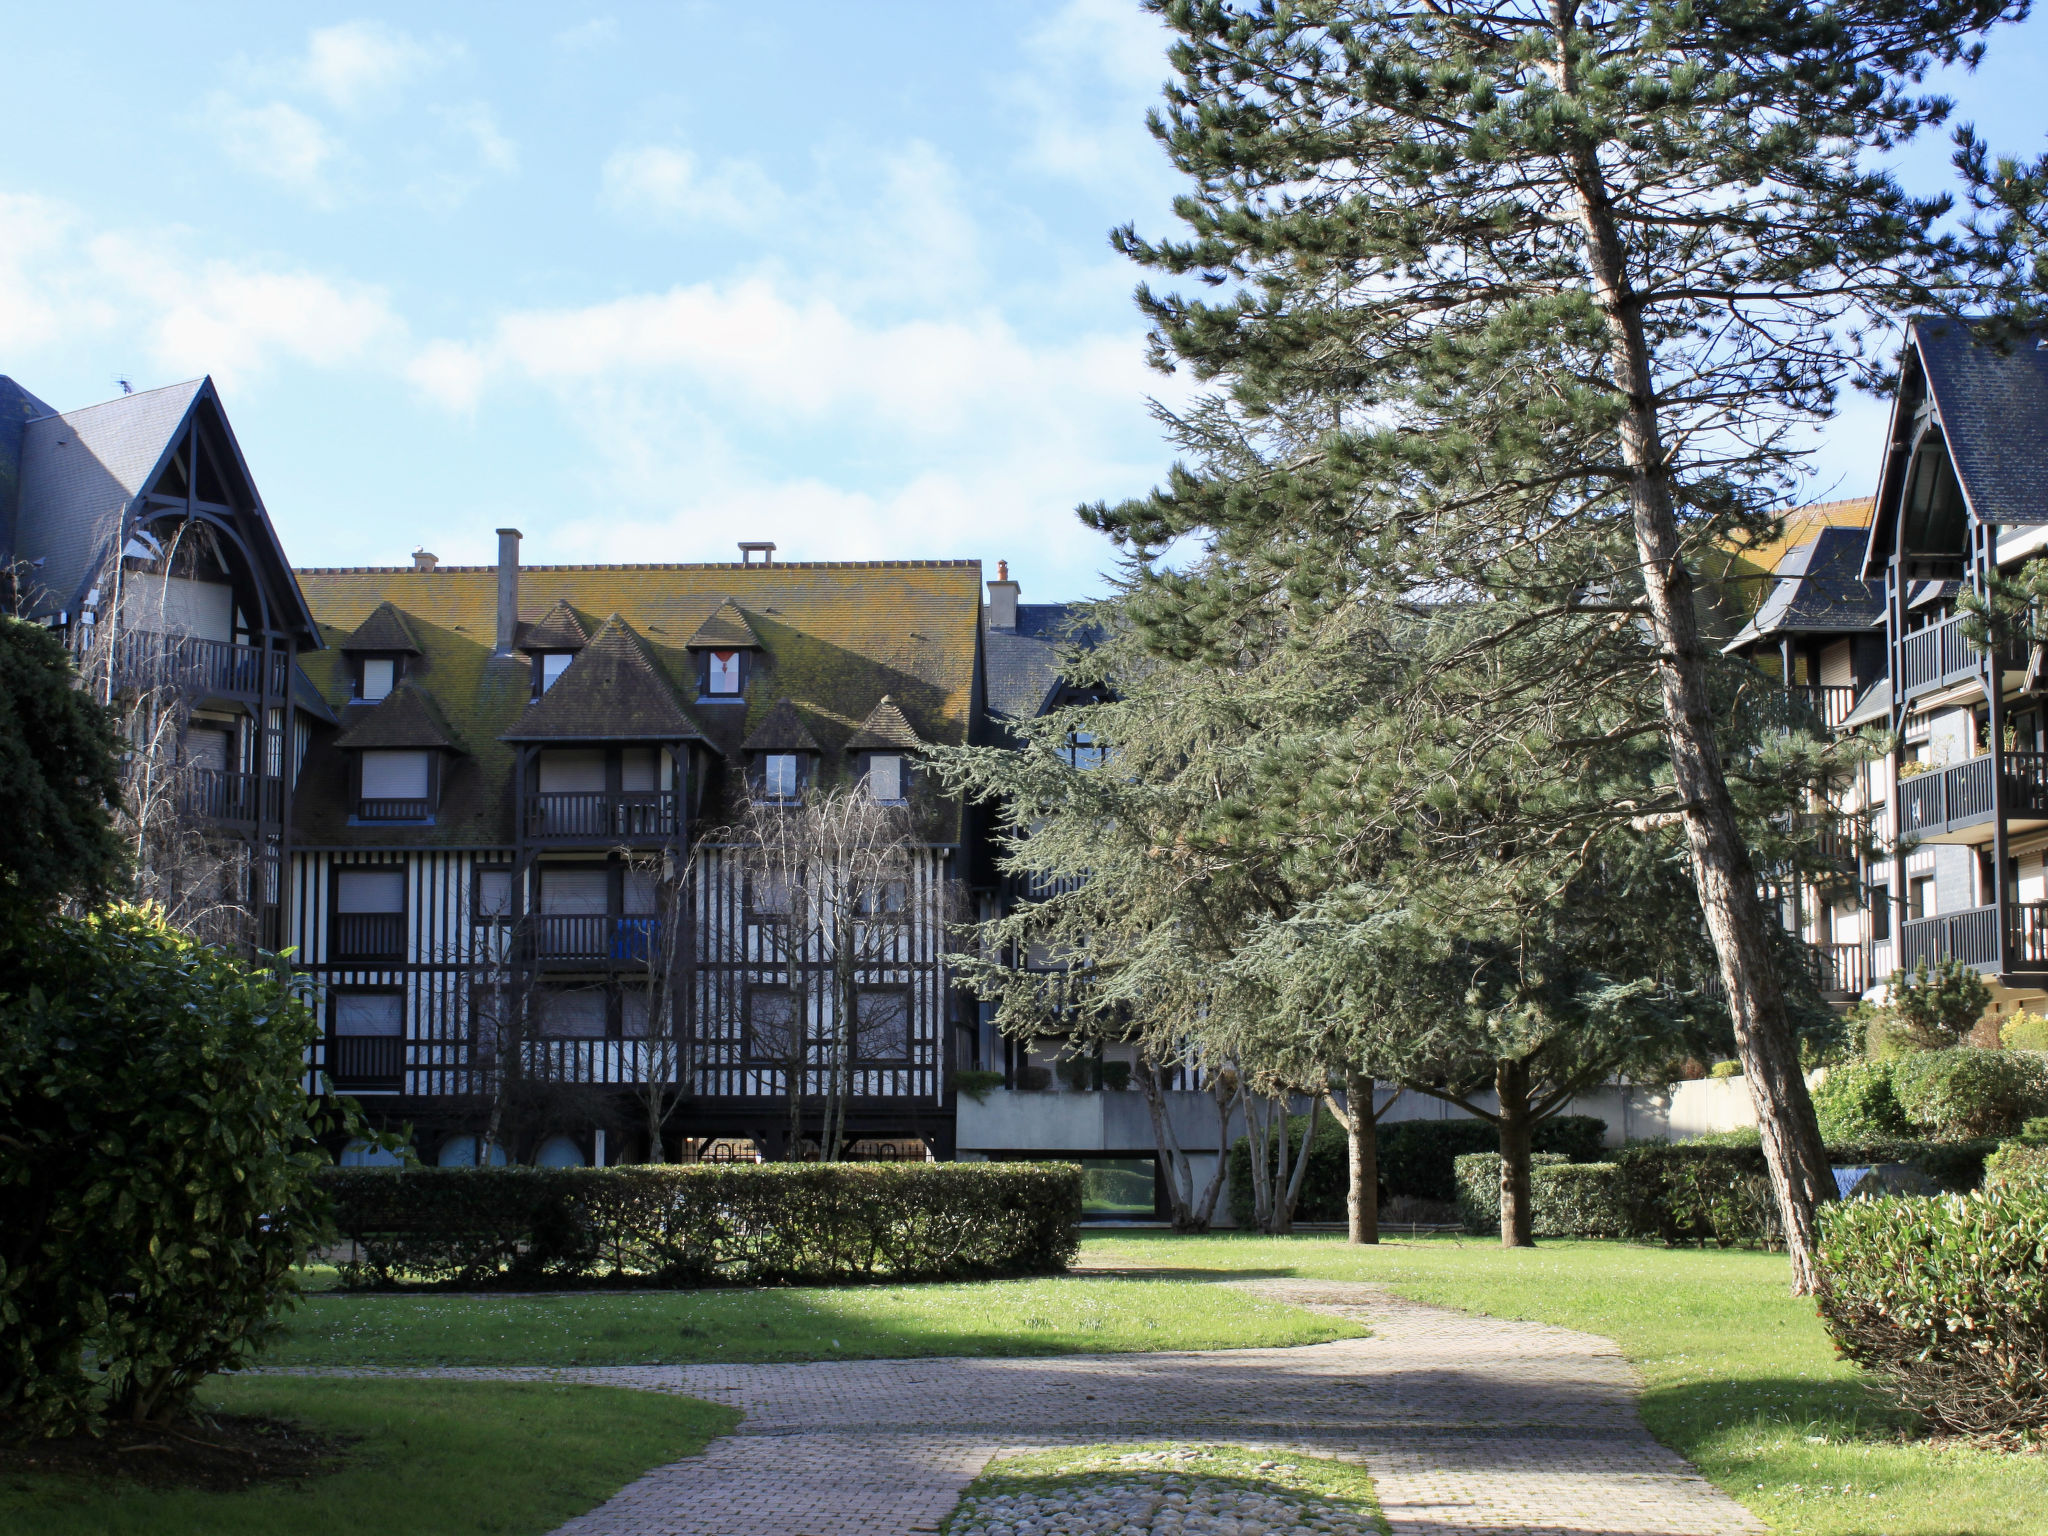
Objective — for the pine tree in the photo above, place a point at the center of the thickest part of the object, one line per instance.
(1493, 273)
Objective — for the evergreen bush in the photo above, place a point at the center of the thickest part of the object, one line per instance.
(1946, 1301)
(1858, 1102)
(705, 1224)
(2024, 1032)
(157, 1188)
(1964, 1093)
(1567, 1199)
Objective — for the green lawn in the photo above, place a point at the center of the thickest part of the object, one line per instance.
(440, 1459)
(1077, 1315)
(1739, 1375)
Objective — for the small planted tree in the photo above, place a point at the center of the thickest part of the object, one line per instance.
(1929, 1009)
(59, 777)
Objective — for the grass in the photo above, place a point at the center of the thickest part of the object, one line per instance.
(1075, 1315)
(455, 1459)
(1322, 1486)
(1739, 1375)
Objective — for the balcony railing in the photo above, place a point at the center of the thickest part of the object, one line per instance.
(1970, 936)
(1831, 702)
(224, 794)
(394, 810)
(602, 939)
(1961, 795)
(1934, 656)
(1841, 969)
(362, 1062)
(145, 659)
(369, 936)
(602, 816)
(2030, 935)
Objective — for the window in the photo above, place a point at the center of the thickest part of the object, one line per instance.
(771, 1024)
(575, 892)
(369, 914)
(1920, 898)
(885, 778)
(571, 773)
(779, 776)
(887, 899)
(771, 896)
(552, 665)
(882, 1020)
(380, 676)
(368, 1049)
(395, 785)
(576, 1015)
(722, 672)
(635, 1008)
(493, 895)
(369, 1013)
(1880, 907)
(1082, 750)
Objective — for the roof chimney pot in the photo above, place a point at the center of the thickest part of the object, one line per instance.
(1002, 599)
(752, 547)
(508, 589)
(424, 560)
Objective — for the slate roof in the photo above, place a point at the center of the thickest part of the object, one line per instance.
(833, 639)
(1023, 665)
(17, 409)
(613, 691)
(1820, 589)
(561, 628)
(385, 629)
(782, 730)
(1994, 412)
(405, 717)
(726, 630)
(884, 728)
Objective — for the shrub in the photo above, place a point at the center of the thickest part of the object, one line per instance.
(977, 1085)
(2024, 1032)
(1966, 1093)
(1857, 1102)
(1946, 1301)
(1928, 1010)
(1416, 1159)
(1725, 1069)
(2017, 1163)
(158, 1185)
(1478, 1183)
(707, 1224)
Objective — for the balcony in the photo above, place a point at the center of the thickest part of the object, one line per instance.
(1830, 703)
(1841, 969)
(205, 668)
(366, 1063)
(394, 810)
(596, 940)
(369, 936)
(1934, 806)
(1970, 936)
(602, 816)
(223, 794)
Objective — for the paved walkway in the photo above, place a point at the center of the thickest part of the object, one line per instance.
(1466, 1424)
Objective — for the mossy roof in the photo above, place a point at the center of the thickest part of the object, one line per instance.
(726, 630)
(405, 717)
(384, 630)
(884, 730)
(782, 730)
(561, 628)
(833, 639)
(613, 691)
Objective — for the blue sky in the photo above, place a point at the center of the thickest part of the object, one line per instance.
(643, 281)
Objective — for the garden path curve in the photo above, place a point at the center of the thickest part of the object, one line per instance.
(1467, 1424)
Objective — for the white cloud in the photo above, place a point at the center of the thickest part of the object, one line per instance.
(358, 64)
(277, 142)
(478, 125)
(1091, 70)
(664, 185)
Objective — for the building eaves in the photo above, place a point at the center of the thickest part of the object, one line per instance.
(1993, 405)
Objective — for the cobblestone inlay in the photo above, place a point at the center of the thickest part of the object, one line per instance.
(1467, 1425)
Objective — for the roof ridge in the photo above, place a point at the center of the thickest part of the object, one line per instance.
(140, 394)
(657, 565)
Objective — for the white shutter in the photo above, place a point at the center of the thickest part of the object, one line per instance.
(379, 673)
(572, 1015)
(563, 773)
(885, 778)
(575, 892)
(494, 893)
(636, 769)
(394, 775)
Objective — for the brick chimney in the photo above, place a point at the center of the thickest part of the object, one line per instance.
(424, 560)
(508, 589)
(1002, 600)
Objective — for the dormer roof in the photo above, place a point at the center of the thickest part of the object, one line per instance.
(1820, 590)
(613, 691)
(885, 730)
(782, 729)
(726, 630)
(561, 628)
(386, 629)
(406, 717)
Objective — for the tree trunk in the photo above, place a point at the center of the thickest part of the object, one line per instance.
(1308, 1140)
(1727, 882)
(1205, 1209)
(1180, 1178)
(1362, 1131)
(1511, 1088)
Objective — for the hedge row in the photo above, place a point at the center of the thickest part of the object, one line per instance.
(1566, 1199)
(1946, 1300)
(739, 1224)
(1683, 1192)
(1417, 1159)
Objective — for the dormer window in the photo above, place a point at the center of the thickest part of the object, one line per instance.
(552, 665)
(722, 672)
(781, 776)
(378, 675)
(885, 778)
(395, 785)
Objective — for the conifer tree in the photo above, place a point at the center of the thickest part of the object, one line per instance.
(1493, 273)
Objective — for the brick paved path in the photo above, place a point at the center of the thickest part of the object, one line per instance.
(1466, 1424)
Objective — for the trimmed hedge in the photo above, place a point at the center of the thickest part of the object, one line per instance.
(1946, 1301)
(1687, 1192)
(1567, 1199)
(1417, 1159)
(692, 1225)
